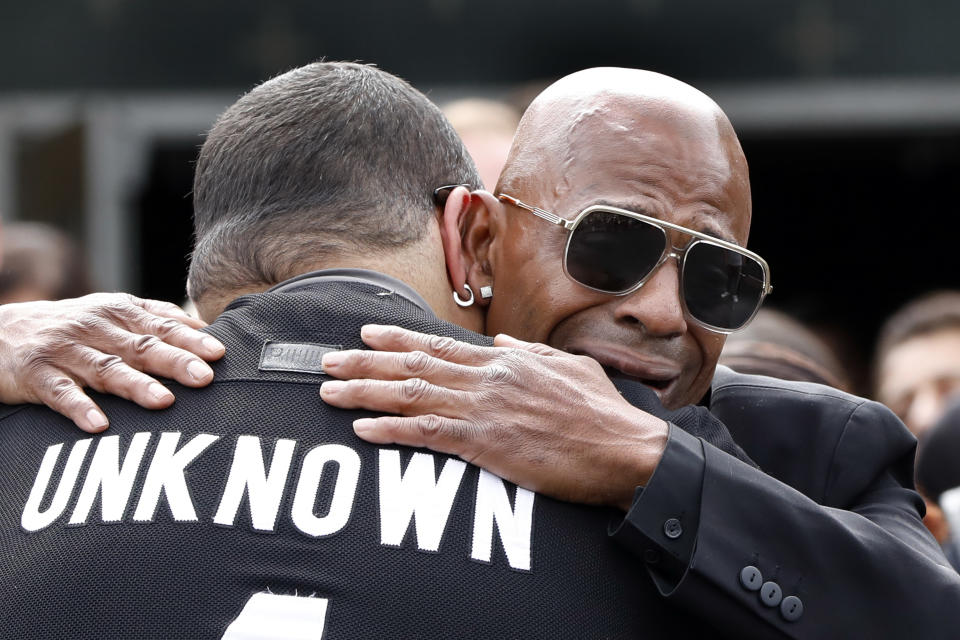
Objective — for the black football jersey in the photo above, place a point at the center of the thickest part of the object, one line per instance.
(250, 509)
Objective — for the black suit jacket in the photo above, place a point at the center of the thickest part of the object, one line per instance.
(252, 503)
(829, 518)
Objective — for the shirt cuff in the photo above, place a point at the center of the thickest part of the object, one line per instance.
(662, 523)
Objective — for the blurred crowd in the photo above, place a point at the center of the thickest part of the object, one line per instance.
(915, 366)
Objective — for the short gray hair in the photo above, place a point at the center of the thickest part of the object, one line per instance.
(329, 157)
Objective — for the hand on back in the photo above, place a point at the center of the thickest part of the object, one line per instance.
(110, 342)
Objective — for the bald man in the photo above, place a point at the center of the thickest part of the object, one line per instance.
(599, 154)
(830, 523)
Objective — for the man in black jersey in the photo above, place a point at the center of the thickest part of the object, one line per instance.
(722, 540)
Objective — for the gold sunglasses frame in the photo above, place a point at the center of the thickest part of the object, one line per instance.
(669, 251)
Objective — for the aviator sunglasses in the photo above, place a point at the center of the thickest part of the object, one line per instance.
(615, 251)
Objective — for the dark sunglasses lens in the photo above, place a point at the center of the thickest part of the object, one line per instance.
(721, 287)
(613, 252)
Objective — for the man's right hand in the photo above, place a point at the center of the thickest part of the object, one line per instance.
(109, 342)
(549, 421)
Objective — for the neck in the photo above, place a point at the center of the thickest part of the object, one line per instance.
(421, 266)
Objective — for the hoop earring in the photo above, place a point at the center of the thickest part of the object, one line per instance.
(463, 303)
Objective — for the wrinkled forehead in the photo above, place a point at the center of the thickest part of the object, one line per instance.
(687, 144)
(627, 150)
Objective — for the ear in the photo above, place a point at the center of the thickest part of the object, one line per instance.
(467, 229)
(470, 237)
(454, 212)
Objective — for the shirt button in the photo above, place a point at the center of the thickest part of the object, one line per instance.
(672, 529)
(770, 594)
(651, 556)
(791, 608)
(751, 578)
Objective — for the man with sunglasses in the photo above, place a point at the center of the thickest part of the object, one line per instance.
(618, 232)
(611, 154)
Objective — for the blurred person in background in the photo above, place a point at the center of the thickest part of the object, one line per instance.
(917, 374)
(917, 363)
(777, 345)
(486, 128)
(938, 477)
(42, 263)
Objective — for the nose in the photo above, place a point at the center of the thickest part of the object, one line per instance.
(656, 305)
(925, 407)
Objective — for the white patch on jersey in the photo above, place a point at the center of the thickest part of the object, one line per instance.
(268, 616)
(248, 475)
(515, 526)
(105, 476)
(417, 494)
(166, 475)
(32, 519)
(341, 506)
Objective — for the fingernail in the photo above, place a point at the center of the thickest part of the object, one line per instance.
(332, 359)
(370, 330)
(159, 392)
(212, 344)
(96, 420)
(331, 387)
(364, 425)
(199, 371)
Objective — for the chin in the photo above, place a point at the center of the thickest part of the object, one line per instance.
(672, 401)
(693, 394)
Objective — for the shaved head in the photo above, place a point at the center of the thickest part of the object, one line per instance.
(563, 119)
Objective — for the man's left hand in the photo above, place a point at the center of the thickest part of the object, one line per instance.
(547, 420)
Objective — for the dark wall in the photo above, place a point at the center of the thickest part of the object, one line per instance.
(151, 44)
(854, 225)
(164, 208)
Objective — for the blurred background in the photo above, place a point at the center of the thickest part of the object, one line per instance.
(849, 114)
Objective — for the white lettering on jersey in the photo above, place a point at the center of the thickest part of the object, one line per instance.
(166, 475)
(106, 477)
(269, 616)
(416, 494)
(311, 472)
(247, 475)
(32, 519)
(515, 526)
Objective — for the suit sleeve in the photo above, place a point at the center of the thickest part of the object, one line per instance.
(768, 561)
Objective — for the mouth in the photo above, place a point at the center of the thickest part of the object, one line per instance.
(659, 385)
(659, 375)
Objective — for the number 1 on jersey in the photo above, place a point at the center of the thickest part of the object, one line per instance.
(269, 616)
